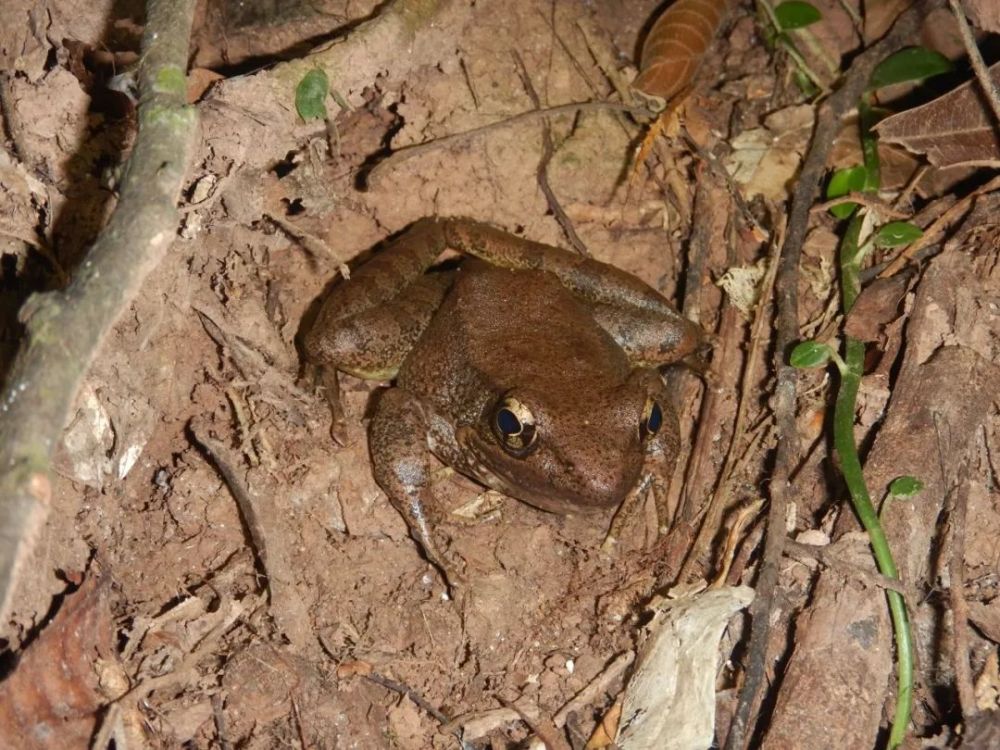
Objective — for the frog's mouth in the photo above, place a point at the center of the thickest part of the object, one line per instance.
(481, 466)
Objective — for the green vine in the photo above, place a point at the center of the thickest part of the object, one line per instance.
(910, 64)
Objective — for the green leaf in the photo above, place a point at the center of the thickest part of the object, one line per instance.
(310, 95)
(897, 234)
(905, 486)
(795, 14)
(844, 181)
(910, 64)
(809, 354)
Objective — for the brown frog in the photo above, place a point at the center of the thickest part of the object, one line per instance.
(528, 368)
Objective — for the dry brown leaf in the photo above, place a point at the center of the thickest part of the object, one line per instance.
(984, 13)
(52, 698)
(954, 129)
(876, 307)
(676, 46)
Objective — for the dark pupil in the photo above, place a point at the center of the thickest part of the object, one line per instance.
(507, 422)
(655, 419)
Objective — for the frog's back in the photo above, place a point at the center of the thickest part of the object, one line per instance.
(499, 329)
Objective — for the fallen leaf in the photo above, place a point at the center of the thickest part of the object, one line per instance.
(876, 307)
(676, 46)
(954, 129)
(63, 678)
(984, 13)
(670, 700)
(765, 160)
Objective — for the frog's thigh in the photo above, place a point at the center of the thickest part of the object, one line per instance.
(402, 465)
(373, 344)
(649, 338)
(386, 274)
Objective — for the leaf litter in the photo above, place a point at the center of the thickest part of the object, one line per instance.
(225, 650)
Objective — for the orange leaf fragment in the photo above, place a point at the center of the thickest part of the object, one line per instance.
(676, 46)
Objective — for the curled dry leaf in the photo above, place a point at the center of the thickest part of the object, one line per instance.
(676, 46)
(670, 700)
(954, 129)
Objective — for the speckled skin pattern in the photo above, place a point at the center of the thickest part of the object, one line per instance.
(574, 341)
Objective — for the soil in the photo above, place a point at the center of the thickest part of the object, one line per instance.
(315, 642)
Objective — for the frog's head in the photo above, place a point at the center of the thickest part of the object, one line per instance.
(570, 449)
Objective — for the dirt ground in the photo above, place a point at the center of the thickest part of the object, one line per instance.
(146, 573)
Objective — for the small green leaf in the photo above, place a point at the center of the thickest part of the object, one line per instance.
(897, 234)
(905, 486)
(310, 95)
(910, 64)
(844, 181)
(795, 14)
(809, 354)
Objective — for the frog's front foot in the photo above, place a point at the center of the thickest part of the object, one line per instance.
(402, 467)
(325, 379)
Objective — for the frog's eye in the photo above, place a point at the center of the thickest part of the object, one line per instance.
(652, 419)
(514, 426)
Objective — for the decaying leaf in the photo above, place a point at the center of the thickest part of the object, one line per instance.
(954, 129)
(984, 13)
(765, 160)
(51, 700)
(676, 46)
(670, 700)
(742, 285)
(876, 307)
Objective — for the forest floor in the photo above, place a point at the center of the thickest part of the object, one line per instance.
(145, 577)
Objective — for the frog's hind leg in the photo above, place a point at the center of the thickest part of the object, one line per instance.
(629, 308)
(368, 324)
(401, 462)
(373, 343)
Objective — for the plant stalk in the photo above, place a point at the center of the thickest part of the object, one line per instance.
(850, 467)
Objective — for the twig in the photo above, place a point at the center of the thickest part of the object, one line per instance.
(219, 718)
(408, 152)
(223, 460)
(313, 244)
(419, 701)
(978, 65)
(684, 501)
(957, 507)
(720, 497)
(544, 729)
(806, 190)
(944, 221)
(65, 329)
(863, 199)
(543, 164)
(823, 555)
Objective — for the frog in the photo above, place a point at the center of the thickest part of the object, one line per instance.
(531, 369)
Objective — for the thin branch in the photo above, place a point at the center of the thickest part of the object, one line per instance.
(806, 191)
(978, 65)
(65, 329)
(863, 199)
(943, 222)
(408, 152)
(823, 555)
(543, 164)
(957, 508)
